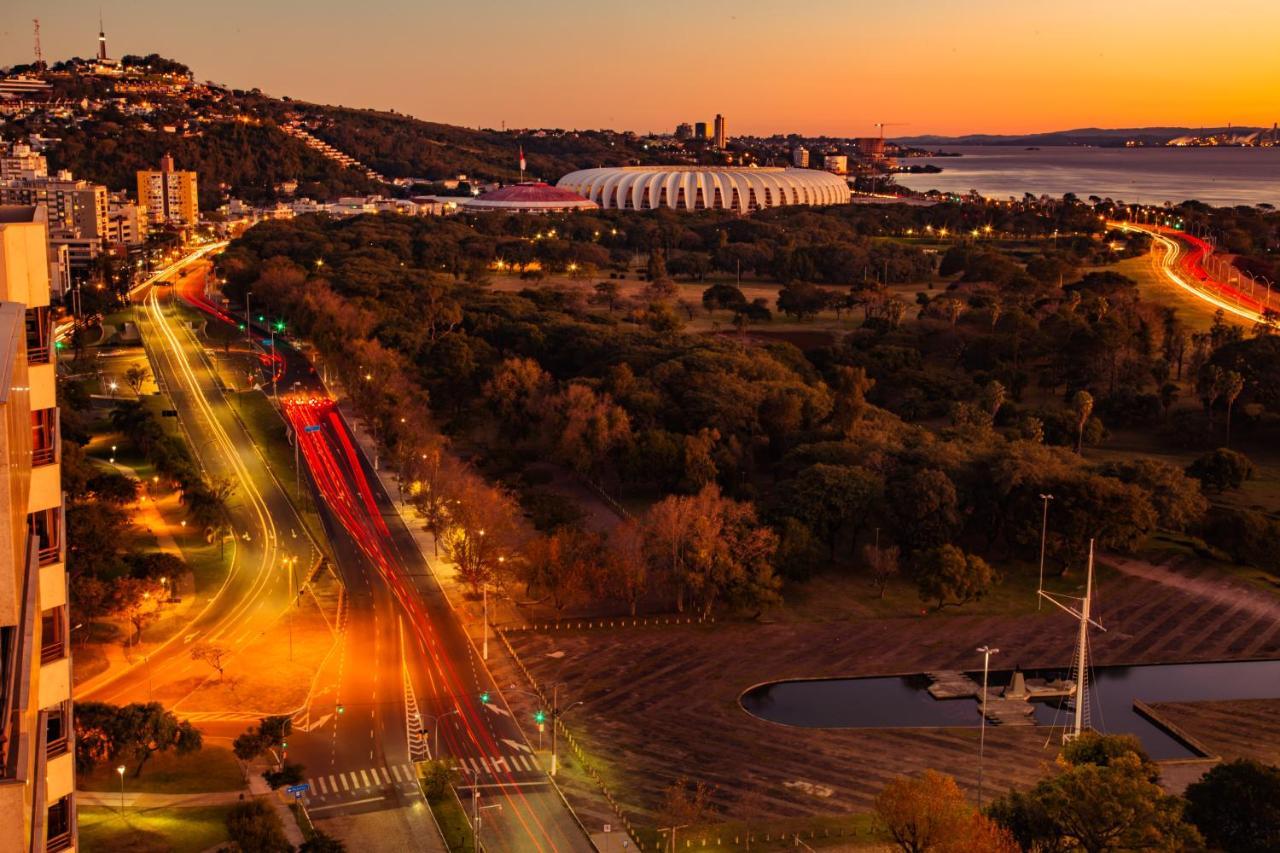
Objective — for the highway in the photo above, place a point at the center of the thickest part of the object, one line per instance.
(1182, 263)
(407, 682)
(256, 591)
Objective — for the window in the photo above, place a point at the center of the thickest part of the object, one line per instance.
(56, 732)
(44, 437)
(53, 634)
(59, 826)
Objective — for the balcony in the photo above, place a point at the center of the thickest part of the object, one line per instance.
(53, 635)
(39, 335)
(44, 437)
(46, 527)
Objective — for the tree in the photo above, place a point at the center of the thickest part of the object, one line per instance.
(1236, 806)
(832, 499)
(608, 293)
(322, 842)
(626, 565)
(254, 825)
(1105, 797)
(135, 376)
(136, 600)
(929, 813)
(924, 508)
(566, 564)
(723, 296)
(437, 777)
(482, 529)
(1082, 407)
(883, 562)
(685, 801)
(212, 654)
(131, 733)
(269, 733)
(1221, 469)
(1177, 498)
(952, 577)
(1232, 385)
(286, 774)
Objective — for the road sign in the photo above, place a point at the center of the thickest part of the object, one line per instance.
(298, 790)
(608, 827)
(311, 428)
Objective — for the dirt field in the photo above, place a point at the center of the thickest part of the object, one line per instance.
(663, 702)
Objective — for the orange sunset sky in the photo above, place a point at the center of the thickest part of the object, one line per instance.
(935, 66)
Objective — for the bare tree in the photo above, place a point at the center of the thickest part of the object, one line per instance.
(214, 655)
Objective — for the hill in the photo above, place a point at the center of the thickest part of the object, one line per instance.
(1097, 136)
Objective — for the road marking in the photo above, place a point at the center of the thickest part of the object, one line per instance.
(333, 784)
(365, 778)
(517, 745)
(485, 762)
(524, 762)
(347, 804)
(396, 772)
(475, 768)
(386, 777)
(500, 763)
(343, 777)
(318, 782)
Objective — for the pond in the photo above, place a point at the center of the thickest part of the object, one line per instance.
(904, 701)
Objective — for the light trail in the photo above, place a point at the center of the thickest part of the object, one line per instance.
(325, 446)
(1214, 292)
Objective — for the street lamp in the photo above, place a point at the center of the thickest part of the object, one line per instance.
(556, 713)
(476, 809)
(1044, 526)
(435, 730)
(120, 770)
(987, 652)
(484, 595)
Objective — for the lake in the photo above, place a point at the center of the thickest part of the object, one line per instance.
(904, 701)
(1218, 176)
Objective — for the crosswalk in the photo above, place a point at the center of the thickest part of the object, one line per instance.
(364, 781)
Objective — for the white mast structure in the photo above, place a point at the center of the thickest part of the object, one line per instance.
(1080, 609)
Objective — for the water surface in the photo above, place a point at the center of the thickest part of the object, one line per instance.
(904, 702)
(1218, 176)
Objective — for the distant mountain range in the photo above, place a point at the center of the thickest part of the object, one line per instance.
(1097, 136)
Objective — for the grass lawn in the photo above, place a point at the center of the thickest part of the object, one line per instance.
(210, 770)
(1154, 287)
(841, 593)
(178, 830)
(453, 824)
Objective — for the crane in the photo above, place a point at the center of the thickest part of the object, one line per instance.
(883, 124)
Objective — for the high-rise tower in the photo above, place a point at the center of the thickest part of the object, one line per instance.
(722, 133)
(102, 41)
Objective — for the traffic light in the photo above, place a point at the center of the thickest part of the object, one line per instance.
(241, 327)
(284, 744)
(279, 325)
(261, 318)
(484, 697)
(540, 717)
(342, 709)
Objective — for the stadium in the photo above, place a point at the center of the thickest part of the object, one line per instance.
(704, 187)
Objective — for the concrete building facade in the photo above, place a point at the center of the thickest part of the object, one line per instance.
(37, 752)
(170, 197)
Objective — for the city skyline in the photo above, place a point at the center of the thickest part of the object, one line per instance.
(914, 67)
